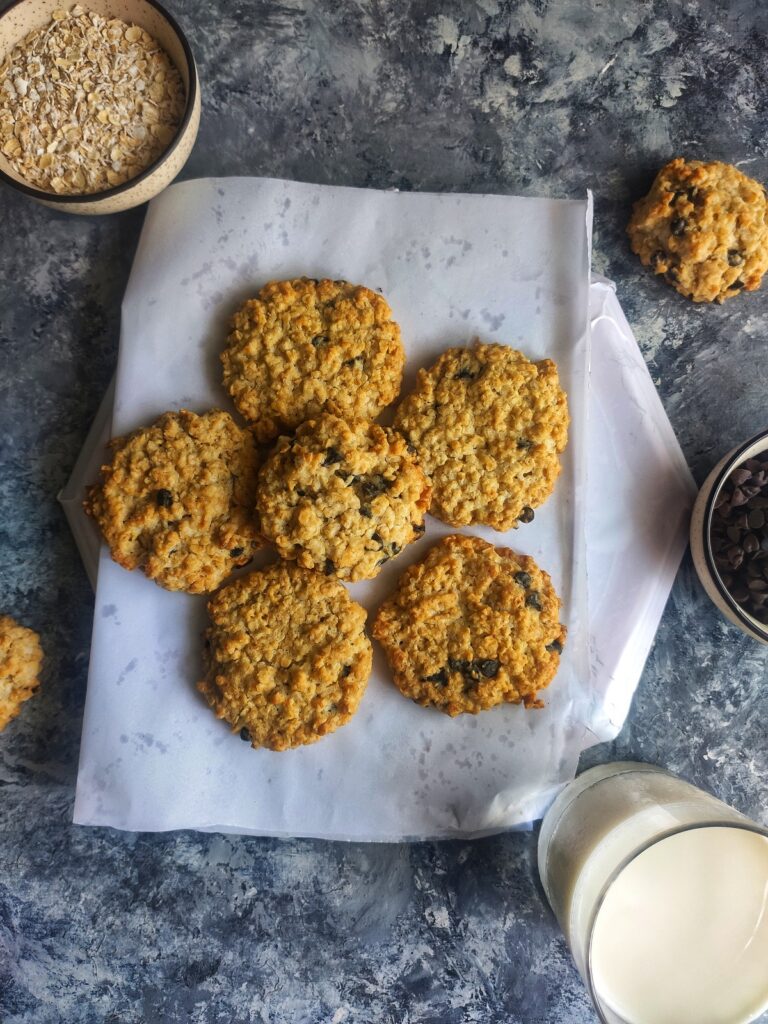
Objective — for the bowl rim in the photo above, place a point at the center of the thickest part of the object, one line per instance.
(732, 462)
(117, 190)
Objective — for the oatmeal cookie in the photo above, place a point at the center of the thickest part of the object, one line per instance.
(342, 497)
(177, 500)
(704, 226)
(303, 343)
(472, 626)
(488, 426)
(20, 659)
(286, 656)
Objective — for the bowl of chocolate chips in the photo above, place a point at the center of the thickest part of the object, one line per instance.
(729, 536)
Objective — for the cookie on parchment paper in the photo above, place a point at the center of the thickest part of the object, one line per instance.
(488, 426)
(704, 227)
(177, 500)
(21, 657)
(472, 626)
(342, 497)
(286, 656)
(303, 343)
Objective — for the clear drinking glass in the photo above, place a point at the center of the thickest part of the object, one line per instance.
(649, 878)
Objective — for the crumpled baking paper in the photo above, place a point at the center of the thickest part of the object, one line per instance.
(153, 756)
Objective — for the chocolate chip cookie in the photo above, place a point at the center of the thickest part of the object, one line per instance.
(20, 659)
(704, 227)
(488, 426)
(287, 659)
(303, 343)
(472, 626)
(342, 497)
(177, 500)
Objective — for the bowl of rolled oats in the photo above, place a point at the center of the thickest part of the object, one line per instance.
(99, 104)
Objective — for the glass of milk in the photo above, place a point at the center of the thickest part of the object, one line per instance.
(662, 893)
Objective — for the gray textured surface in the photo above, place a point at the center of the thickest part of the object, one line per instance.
(531, 98)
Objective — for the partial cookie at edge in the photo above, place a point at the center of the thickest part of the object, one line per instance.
(21, 658)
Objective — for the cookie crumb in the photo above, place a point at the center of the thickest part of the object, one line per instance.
(21, 658)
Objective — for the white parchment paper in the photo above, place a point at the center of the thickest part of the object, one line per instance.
(453, 267)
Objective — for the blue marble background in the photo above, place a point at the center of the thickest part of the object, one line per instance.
(535, 98)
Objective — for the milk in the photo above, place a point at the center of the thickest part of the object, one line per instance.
(662, 893)
(682, 935)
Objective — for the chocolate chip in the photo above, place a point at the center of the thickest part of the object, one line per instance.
(524, 444)
(301, 492)
(464, 374)
(376, 536)
(245, 735)
(533, 600)
(735, 258)
(329, 568)
(320, 339)
(163, 498)
(736, 498)
(526, 516)
(353, 361)
(441, 677)
(418, 527)
(473, 669)
(555, 647)
(678, 225)
(372, 486)
(735, 556)
(345, 671)
(523, 578)
(738, 283)
(236, 552)
(332, 456)
(365, 511)
(739, 476)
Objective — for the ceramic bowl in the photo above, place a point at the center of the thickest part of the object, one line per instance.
(701, 547)
(24, 16)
